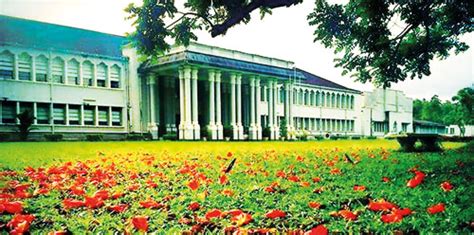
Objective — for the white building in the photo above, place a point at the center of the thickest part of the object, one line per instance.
(455, 130)
(78, 81)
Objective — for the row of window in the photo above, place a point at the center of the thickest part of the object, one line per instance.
(62, 114)
(42, 69)
(314, 98)
(323, 124)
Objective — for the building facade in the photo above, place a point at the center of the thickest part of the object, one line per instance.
(77, 81)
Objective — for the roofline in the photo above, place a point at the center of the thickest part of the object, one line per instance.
(65, 26)
(345, 88)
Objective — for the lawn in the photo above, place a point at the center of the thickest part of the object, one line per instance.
(174, 187)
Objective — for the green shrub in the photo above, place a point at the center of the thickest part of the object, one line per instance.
(26, 119)
(334, 137)
(343, 137)
(283, 128)
(355, 138)
(170, 136)
(228, 132)
(95, 137)
(266, 132)
(135, 136)
(371, 137)
(53, 137)
(5, 137)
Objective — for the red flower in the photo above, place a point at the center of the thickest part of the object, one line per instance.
(386, 179)
(416, 180)
(140, 223)
(335, 171)
(314, 205)
(281, 174)
(446, 186)
(396, 215)
(229, 154)
(93, 202)
(214, 213)
(71, 204)
(275, 214)
(381, 205)
(436, 208)
(294, 178)
(194, 206)
(318, 230)
(348, 215)
(316, 179)
(359, 188)
(117, 195)
(20, 224)
(102, 194)
(241, 219)
(305, 184)
(223, 179)
(77, 190)
(151, 204)
(118, 208)
(193, 184)
(133, 187)
(13, 207)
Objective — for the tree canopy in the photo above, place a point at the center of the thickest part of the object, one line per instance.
(379, 41)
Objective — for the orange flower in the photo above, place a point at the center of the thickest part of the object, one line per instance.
(305, 184)
(280, 174)
(227, 192)
(194, 206)
(335, 171)
(71, 203)
(446, 186)
(438, 208)
(223, 179)
(348, 215)
(241, 218)
(275, 214)
(214, 213)
(314, 205)
(294, 178)
(140, 223)
(118, 208)
(151, 204)
(359, 188)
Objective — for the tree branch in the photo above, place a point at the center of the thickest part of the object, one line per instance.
(246, 10)
(184, 14)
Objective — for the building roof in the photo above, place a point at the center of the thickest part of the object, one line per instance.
(427, 123)
(40, 35)
(319, 81)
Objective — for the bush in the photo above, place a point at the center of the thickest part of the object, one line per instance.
(170, 136)
(5, 137)
(228, 132)
(355, 138)
(26, 119)
(95, 137)
(53, 137)
(343, 137)
(206, 132)
(135, 136)
(371, 137)
(283, 128)
(334, 137)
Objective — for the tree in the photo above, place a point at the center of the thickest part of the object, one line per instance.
(26, 119)
(465, 99)
(381, 41)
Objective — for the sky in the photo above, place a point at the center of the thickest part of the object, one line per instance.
(284, 35)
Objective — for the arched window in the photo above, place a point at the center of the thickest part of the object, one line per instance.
(323, 99)
(24, 67)
(101, 75)
(338, 101)
(115, 76)
(330, 101)
(57, 70)
(73, 72)
(343, 101)
(6, 65)
(41, 67)
(352, 102)
(311, 98)
(317, 99)
(88, 73)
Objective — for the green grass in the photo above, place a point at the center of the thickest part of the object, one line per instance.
(17, 155)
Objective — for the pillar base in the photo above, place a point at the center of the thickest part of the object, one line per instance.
(240, 132)
(253, 132)
(212, 129)
(220, 131)
(197, 131)
(186, 132)
(153, 129)
(235, 132)
(277, 132)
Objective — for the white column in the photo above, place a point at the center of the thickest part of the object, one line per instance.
(15, 67)
(182, 110)
(258, 123)
(81, 121)
(188, 133)
(33, 69)
(35, 113)
(109, 118)
(252, 128)
(152, 128)
(66, 114)
(233, 107)
(275, 105)
(270, 109)
(239, 107)
(96, 116)
(196, 128)
(107, 76)
(212, 111)
(17, 111)
(220, 128)
(81, 82)
(287, 107)
(65, 79)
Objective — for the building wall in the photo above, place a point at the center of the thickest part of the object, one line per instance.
(454, 130)
(37, 79)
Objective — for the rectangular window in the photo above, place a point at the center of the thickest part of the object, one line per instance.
(6, 65)
(74, 114)
(116, 116)
(59, 114)
(57, 69)
(8, 112)
(24, 106)
(24, 68)
(42, 113)
(73, 72)
(103, 116)
(89, 113)
(115, 77)
(101, 75)
(87, 73)
(41, 69)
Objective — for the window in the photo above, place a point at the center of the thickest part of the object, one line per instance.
(405, 128)
(352, 102)
(42, 113)
(117, 116)
(338, 101)
(103, 116)
(24, 106)
(59, 114)
(8, 112)
(57, 70)
(41, 67)
(88, 73)
(115, 77)
(24, 67)
(328, 100)
(333, 100)
(6, 65)
(282, 95)
(73, 72)
(343, 101)
(74, 114)
(89, 113)
(101, 75)
(323, 99)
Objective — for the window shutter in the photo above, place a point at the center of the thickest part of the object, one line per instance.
(8, 110)
(115, 77)
(59, 113)
(101, 75)
(103, 117)
(57, 70)
(41, 67)
(24, 67)
(88, 115)
(74, 114)
(73, 72)
(116, 116)
(42, 112)
(6, 65)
